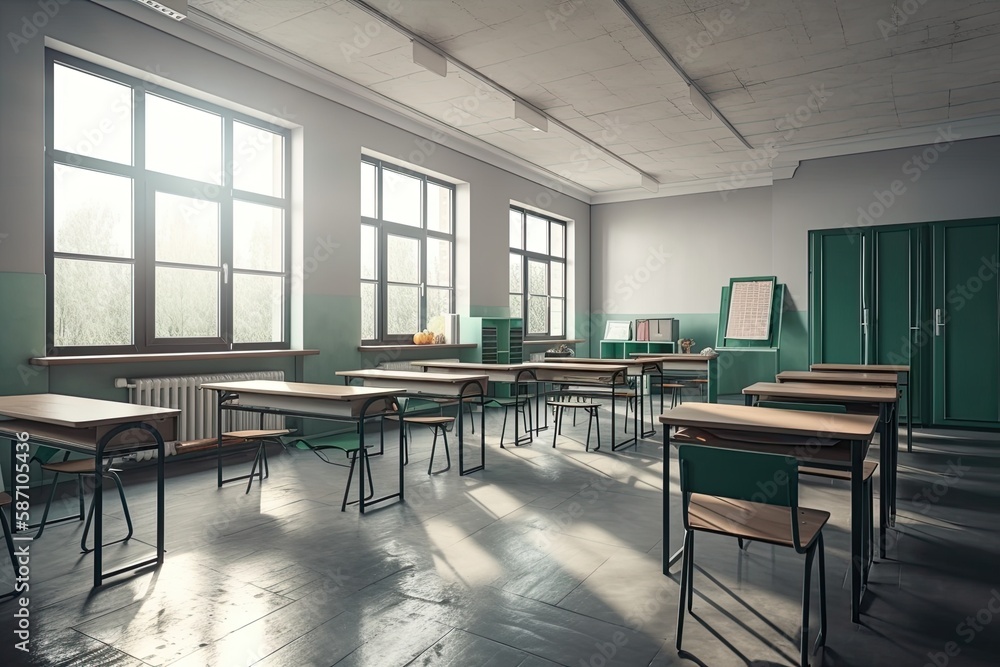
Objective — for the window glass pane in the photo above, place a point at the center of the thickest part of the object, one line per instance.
(183, 141)
(438, 305)
(538, 315)
(91, 115)
(401, 198)
(369, 253)
(516, 274)
(558, 279)
(92, 212)
(556, 317)
(258, 308)
(258, 237)
(368, 190)
(438, 208)
(403, 259)
(537, 231)
(516, 230)
(187, 230)
(258, 160)
(538, 278)
(92, 303)
(558, 239)
(187, 303)
(402, 310)
(438, 262)
(515, 306)
(368, 305)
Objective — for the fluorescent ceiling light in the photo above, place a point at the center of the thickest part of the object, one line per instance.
(175, 9)
(524, 112)
(429, 59)
(699, 102)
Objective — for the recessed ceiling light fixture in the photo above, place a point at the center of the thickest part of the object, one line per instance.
(175, 9)
(524, 112)
(699, 102)
(429, 59)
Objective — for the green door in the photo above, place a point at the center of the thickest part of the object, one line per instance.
(839, 270)
(966, 323)
(900, 330)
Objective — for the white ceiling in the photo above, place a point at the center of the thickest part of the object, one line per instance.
(787, 73)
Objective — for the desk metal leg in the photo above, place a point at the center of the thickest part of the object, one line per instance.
(857, 530)
(909, 415)
(8, 483)
(885, 477)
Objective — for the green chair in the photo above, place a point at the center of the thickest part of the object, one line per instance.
(417, 411)
(750, 496)
(81, 468)
(347, 443)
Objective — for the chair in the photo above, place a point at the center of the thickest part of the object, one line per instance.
(259, 469)
(676, 397)
(5, 501)
(81, 468)
(591, 410)
(343, 442)
(867, 473)
(750, 496)
(519, 403)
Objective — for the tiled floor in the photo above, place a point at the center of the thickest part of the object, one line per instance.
(549, 557)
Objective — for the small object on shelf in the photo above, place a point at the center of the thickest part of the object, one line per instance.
(439, 339)
(686, 345)
(424, 337)
(562, 350)
(708, 352)
(618, 330)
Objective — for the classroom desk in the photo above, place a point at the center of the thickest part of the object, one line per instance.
(704, 364)
(312, 401)
(433, 386)
(819, 439)
(98, 429)
(873, 379)
(637, 368)
(884, 399)
(516, 374)
(902, 371)
(611, 378)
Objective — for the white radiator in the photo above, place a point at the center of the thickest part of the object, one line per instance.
(198, 418)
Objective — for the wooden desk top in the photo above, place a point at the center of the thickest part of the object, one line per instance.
(78, 412)
(676, 356)
(414, 376)
(616, 365)
(877, 368)
(838, 377)
(471, 366)
(328, 392)
(721, 417)
(849, 393)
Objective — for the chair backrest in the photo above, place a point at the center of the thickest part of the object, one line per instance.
(807, 407)
(756, 477)
(44, 454)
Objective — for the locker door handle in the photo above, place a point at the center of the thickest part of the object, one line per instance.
(864, 333)
(938, 322)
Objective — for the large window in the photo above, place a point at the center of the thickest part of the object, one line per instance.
(407, 252)
(538, 273)
(167, 219)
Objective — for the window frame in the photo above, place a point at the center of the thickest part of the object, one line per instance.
(384, 229)
(548, 259)
(145, 184)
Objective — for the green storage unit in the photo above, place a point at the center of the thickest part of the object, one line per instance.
(966, 323)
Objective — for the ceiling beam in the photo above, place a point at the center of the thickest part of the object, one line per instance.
(468, 69)
(694, 88)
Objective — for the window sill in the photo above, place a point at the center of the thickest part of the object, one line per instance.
(171, 356)
(555, 341)
(412, 346)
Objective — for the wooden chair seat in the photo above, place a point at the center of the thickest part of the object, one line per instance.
(572, 404)
(754, 521)
(74, 467)
(844, 475)
(698, 381)
(429, 421)
(673, 385)
(5, 499)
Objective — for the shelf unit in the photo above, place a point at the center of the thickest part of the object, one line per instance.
(500, 340)
(623, 349)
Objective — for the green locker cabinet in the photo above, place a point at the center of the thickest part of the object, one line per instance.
(868, 300)
(966, 323)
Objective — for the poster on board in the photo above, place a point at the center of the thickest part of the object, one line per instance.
(750, 309)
